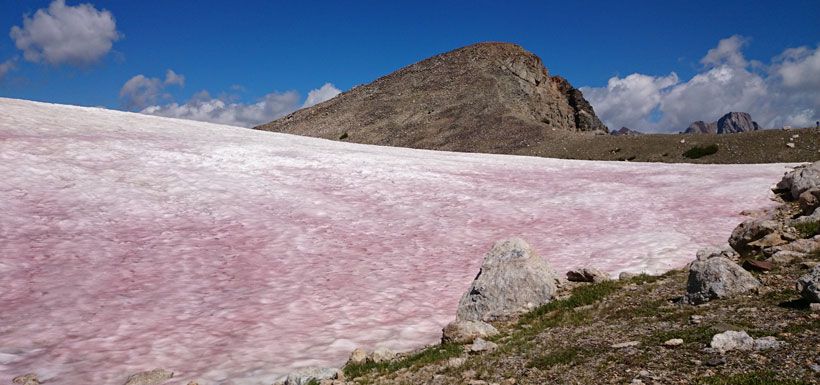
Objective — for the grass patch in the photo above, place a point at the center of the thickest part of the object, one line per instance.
(751, 378)
(559, 357)
(700, 151)
(424, 357)
(699, 334)
(581, 296)
(807, 229)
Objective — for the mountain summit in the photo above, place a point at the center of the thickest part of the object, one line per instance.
(486, 97)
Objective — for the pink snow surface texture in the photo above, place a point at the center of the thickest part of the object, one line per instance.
(233, 256)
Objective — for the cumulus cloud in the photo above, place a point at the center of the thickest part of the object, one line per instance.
(140, 91)
(323, 93)
(7, 66)
(784, 92)
(79, 35)
(225, 110)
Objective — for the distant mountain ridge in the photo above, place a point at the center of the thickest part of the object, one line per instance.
(730, 123)
(486, 97)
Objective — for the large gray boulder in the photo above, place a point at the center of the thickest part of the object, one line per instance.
(513, 279)
(750, 231)
(800, 180)
(809, 285)
(713, 275)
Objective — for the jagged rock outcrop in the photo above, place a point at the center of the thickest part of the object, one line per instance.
(750, 236)
(626, 131)
(513, 279)
(734, 122)
(487, 97)
(730, 123)
(714, 275)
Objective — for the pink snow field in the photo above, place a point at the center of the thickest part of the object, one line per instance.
(231, 256)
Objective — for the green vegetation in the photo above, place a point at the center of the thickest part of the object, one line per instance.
(699, 151)
(808, 229)
(698, 334)
(563, 356)
(751, 378)
(427, 356)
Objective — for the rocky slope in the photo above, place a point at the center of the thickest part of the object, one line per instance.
(730, 123)
(486, 97)
(749, 314)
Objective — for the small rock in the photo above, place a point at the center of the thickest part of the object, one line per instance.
(467, 331)
(785, 257)
(755, 265)
(809, 264)
(815, 368)
(815, 307)
(790, 145)
(357, 356)
(696, 319)
(481, 345)
(587, 274)
(627, 344)
(381, 354)
(26, 379)
(809, 285)
(150, 377)
(673, 342)
(809, 200)
(682, 141)
(766, 343)
(717, 361)
(732, 340)
(626, 276)
(456, 362)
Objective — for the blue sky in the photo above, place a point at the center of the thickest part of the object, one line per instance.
(248, 52)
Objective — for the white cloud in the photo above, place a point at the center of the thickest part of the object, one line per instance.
(784, 92)
(727, 52)
(140, 91)
(225, 110)
(172, 77)
(324, 93)
(7, 66)
(628, 101)
(78, 35)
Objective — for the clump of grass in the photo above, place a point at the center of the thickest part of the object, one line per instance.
(581, 296)
(700, 151)
(563, 356)
(807, 229)
(698, 334)
(751, 378)
(427, 356)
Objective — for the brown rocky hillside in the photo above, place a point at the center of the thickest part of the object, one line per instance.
(486, 97)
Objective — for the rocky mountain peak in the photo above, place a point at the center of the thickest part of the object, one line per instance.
(486, 97)
(732, 122)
